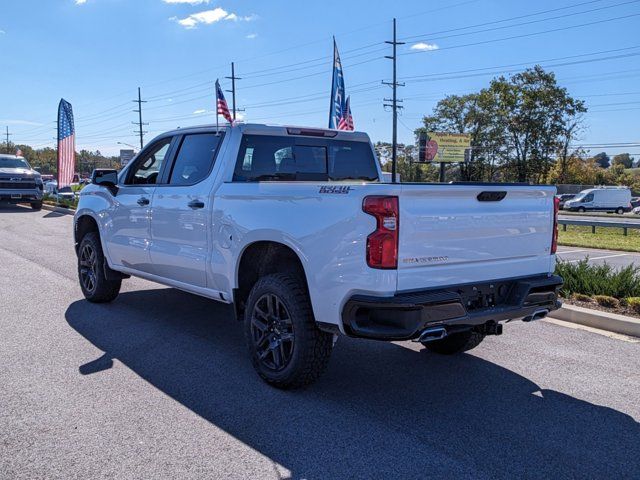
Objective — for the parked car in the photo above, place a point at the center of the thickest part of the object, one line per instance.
(607, 199)
(19, 183)
(294, 228)
(564, 198)
(67, 193)
(635, 202)
(636, 211)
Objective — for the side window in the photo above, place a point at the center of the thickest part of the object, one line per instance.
(147, 168)
(264, 157)
(195, 158)
(588, 198)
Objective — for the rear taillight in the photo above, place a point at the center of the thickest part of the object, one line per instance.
(382, 244)
(556, 209)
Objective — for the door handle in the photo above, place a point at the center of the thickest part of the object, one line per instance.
(196, 204)
(142, 201)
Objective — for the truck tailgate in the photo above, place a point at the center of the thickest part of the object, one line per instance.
(455, 234)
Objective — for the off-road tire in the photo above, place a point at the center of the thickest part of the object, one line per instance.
(36, 206)
(100, 290)
(311, 348)
(455, 343)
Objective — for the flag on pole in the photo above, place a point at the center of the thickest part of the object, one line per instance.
(66, 144)
(346, 121)
(221, 104)
(337, 90)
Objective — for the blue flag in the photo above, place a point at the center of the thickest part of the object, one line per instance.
(337, 90)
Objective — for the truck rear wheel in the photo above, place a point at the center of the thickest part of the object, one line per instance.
(287, 348)
(455, 343)
(93, 282)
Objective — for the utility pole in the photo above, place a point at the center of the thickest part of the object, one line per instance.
(394, 103)
(140, 132)
(233, 79)
(8, 135)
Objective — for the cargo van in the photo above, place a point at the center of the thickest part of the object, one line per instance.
(617, 199)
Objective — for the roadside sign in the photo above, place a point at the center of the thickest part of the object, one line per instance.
(444, 147)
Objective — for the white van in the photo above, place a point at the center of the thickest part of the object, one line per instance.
(615, 199)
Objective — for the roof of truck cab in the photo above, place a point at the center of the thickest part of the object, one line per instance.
(265, 129)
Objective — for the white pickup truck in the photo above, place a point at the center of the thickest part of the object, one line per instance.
(293, 227)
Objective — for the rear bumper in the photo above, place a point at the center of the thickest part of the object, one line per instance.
(405, 315)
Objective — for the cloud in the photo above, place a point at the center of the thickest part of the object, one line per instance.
(424, 46)
(251, 36)
(200, 111)
(208, 17)
(2, 32)
(190, 2)
(81, 2)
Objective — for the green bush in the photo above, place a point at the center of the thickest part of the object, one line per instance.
(584, 278)
(607, 301)
(633, 303)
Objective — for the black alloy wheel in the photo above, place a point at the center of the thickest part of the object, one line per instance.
(88, 271)
(272, 332)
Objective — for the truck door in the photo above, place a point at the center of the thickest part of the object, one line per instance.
(128, 236)
(181, 212)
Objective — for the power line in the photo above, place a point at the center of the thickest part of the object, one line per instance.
(513, 37)
(531, 22)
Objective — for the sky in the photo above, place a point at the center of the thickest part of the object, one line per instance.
(96, 53)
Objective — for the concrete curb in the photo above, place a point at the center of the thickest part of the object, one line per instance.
(611, 322)
(51, 208)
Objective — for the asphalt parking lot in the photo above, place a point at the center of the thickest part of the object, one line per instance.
(596, 256)
(158, 385)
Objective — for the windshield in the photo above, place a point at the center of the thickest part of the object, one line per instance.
(579, 196)
(6, 162)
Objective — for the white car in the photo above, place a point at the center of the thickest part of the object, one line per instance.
(636, 211)
(294, 228)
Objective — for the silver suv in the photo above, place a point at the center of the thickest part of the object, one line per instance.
(19, 183)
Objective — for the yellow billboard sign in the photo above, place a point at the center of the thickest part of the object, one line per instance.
(447, 147)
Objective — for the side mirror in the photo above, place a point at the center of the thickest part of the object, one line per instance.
(106, 177)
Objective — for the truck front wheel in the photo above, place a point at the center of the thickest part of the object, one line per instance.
(455, 343)
(287, 348)
(93, 281)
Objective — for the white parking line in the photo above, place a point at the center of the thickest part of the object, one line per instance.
(599, 258)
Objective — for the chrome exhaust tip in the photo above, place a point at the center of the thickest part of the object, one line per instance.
(431, 334)
(537, 315)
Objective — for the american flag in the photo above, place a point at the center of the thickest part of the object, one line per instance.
(346, 120)
(66, 144)
(222, 107)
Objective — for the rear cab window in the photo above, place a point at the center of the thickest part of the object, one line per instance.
(280, 158)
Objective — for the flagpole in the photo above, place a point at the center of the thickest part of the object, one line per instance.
(58, 153)
(333, 82)
(217, 125)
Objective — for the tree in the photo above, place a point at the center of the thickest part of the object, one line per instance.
(603, 160)
(518, 126)
(623, 159)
